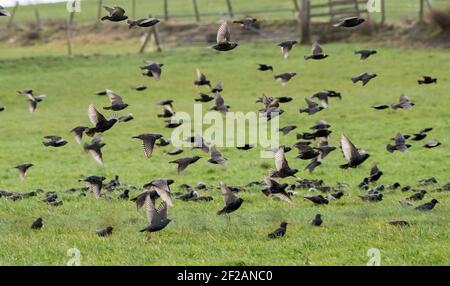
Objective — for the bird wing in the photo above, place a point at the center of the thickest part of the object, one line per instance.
(223, 34)
(94, 116)
(200, 75)
(109, 9)
(284, 197)
(97, 155)
(164, 192)
(160, 214)
(311, 104)
(350, 151)
(95, 189)
(32, 104)
(147, 146)
(113, 97)
(119, 11)
(146, 200)
(374, 170)
(227, 194)
(280, 159)
(219, 100)
(316, 49)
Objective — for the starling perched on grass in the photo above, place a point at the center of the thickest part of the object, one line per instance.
(364, 78)
(281, 165)
(280, 232)
(38, 223)
(232, 201)
(375, 197)
(317, 221)
(124, 195)
(417, 196)
(95, 184)
(101, 124)
(317, 53)
(286, 47)
(78, 133)
(23, 168)
(349, 22)
(148, 22)
(105, 232)
(115, 14)
(354, 156)
(365, 54)
(224, 42)
(201, 79)
(399, 223)
(264, 67)
(95, 149)
(427, 206)
(117, 103)
(148, 142)
(183, 163)
(152, 69)
(54, 141)
(427, 80)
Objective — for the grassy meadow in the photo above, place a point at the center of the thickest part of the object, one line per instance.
(197, 235)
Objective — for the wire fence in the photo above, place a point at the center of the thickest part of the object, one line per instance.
(212, 10)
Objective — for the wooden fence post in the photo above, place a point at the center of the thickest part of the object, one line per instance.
(13, 13)
(421, 11)
(152, 31)
(305, 22)
(296, 7)
(383, 13)
(197, 15)
(69, 31)
(230, 9)
(166, 10)
(38, 19)
(99, 11)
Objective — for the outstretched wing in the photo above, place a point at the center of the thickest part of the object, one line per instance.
(94, 116)
(223, 34)
(350, 151)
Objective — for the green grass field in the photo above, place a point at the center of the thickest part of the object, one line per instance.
(197, 235)
(396, 10)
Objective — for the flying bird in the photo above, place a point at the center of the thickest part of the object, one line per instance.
(432, 144)
(157, 218)
(117, 103)
(264, 67)
(349, 22)
(286, 47)
(317, 53)
(95, 184)
(224, 42)
(281, 165)
(204, 98)
(4, 12)
(78, 133)
(115, 14)
(148, 142)
(247, 23)
(312, 108)
(276, 190)
(54, 141)
(23, 168)
(404, 103)
(216, 156)
(364, 78)
(427, 80)
(148, 22)
(95, 149)
(152, 69)
(201, 79)
(232, 201)
(399, 145)
(101, 124)
(183, 163)
(284, 78)
(354, 156)
(365, 54)
(162, 188)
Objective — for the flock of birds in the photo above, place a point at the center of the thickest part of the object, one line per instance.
(312, 146)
